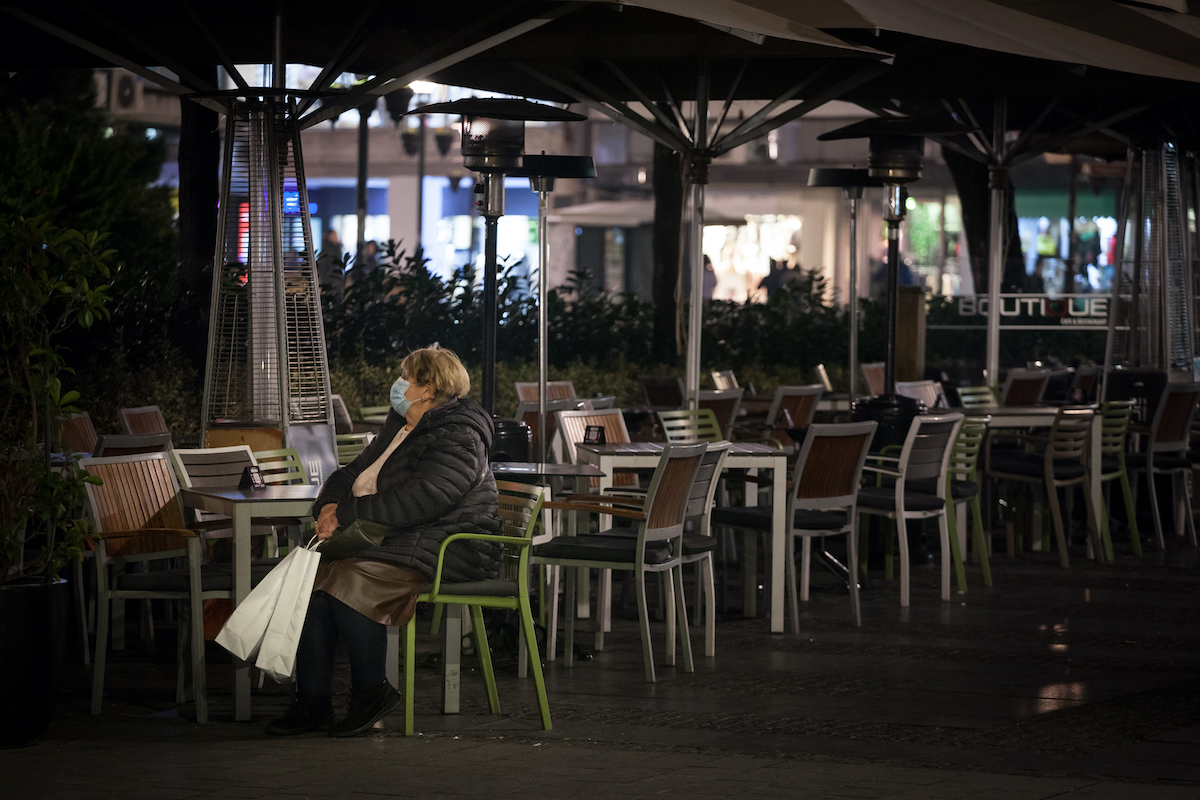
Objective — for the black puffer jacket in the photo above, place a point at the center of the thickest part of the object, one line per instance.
(437, 482)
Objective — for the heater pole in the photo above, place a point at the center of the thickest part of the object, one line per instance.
(493, 209)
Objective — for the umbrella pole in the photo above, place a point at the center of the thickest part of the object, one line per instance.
(493, 209)
(853, 193)
(996, 245)
(543, 316)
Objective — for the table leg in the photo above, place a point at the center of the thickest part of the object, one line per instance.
(451, 657)
(241, 588)
(778, 539)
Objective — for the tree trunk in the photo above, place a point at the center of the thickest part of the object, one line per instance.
(668, 215)
(971, 180)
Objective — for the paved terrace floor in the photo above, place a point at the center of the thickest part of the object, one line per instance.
(1081, 683)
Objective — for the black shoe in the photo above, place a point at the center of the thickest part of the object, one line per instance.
(366, 708)
(299, 719)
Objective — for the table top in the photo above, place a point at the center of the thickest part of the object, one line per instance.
(266, 494)
(655, 448)
(1008, 411)
(518, 469)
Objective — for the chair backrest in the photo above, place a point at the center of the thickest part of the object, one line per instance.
(1114, 426)
(1171, 428)
(128, 444)
(282, 467)
(212, 467)
(662, 393)
(1070, 434)
(723, 379)
(830, 465)
(143, 419)
(78, 433)
(555, 390)
(964, 456)
(823, 377)
(976, 396)
(1024, 387)
(350, 445)
(670, 491)
(690, 425)
(527, 412)
(1084, 384)
(138, 491)
(926, 452)
(930, 393)
(800, 403)
(366, 412)
(572, 425)
(873, 374)
(341, 416)
(704, 488)
(520, 509)
(725, 404)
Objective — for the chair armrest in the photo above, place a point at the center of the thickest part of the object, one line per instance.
(629, 501)
(895, 473)
(515, 541)
(144, 541)
(596, 506)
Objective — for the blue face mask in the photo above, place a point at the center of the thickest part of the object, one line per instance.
(399, 401)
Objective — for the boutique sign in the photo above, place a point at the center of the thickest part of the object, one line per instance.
(1032, 312)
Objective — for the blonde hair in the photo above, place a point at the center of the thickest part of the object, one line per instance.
(437, 367)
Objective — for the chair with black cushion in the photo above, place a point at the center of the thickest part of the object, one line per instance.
(1114, 433)
(793, 407)
(823, 502)
(657, 548)
(138, 517)
(963, 488)
(1062, 463)
(1165, 453)
(915, 488)
(520, 506)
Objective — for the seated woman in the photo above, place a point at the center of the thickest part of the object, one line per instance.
(426, 476)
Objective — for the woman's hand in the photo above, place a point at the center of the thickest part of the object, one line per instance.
(327, 521)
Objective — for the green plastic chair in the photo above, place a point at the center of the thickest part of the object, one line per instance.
(963, 487)
(520, 508)
(976, 396)
(690, 425)
(351, 445)
(1114, 429)
(282, 467)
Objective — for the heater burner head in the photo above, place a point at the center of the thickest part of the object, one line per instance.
(896, 158)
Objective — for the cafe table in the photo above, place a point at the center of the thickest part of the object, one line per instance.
(1018, 417)
(742, 455)
(242, 506)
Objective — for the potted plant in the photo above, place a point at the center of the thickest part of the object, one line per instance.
(53, 280)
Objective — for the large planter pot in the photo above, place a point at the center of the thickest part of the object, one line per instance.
(33, 624)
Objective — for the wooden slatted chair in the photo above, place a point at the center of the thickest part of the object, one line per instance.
(823, 502)
(658, 548)
(1024, 387)
(527, 412)
(792, 407)
(725, 404)
(572, 425)
(139, 518)
(143, 419)
(128, 444)
(78, 434)
(555, 390)
(873, 374)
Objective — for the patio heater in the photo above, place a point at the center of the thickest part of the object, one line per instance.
(493, 143)
(542, 172)
(267, 379)
(1152, 317)
(852, 182)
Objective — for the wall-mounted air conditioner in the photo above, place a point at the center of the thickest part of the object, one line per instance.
(125, 93)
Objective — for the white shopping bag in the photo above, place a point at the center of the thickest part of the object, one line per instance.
(277, 654)
(244, 630)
